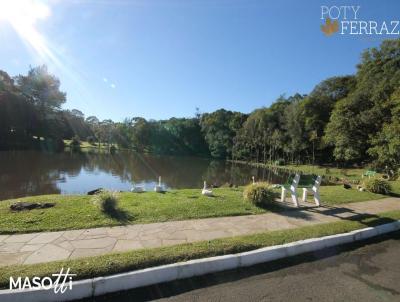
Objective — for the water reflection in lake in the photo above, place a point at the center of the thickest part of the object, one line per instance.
(25, 173)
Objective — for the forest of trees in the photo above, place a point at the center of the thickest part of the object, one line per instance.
(346, 120)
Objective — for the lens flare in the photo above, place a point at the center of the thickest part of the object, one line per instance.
(24, 16)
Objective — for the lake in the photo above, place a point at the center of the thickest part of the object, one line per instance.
(26, 173)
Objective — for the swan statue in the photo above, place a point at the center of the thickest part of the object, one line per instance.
(205, 191)
(159, 188)
(137, 189)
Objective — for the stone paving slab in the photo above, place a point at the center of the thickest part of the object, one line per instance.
(50, 246)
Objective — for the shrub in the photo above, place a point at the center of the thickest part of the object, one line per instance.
(259, 194)
(75, 143)
(91, 140)
(378, 186)
(107, 201)
(279, 162)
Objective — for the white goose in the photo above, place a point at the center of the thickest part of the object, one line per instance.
(137, 189)
(159, 188)
(205, 191)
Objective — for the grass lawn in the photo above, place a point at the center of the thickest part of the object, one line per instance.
(395, 186)
(349, 174)
(79, 211)
(332, 195)
(85, 144)
(121, 262)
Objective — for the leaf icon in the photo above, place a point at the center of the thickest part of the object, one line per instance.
(330, 27)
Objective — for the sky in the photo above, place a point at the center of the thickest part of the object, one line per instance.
(163, 58)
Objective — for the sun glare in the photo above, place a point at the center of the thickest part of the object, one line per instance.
(23, 10)
(23, 16)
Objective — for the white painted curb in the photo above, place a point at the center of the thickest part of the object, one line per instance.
(119, 282)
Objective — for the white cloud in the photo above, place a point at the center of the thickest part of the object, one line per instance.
(112, 85)
(105, 80)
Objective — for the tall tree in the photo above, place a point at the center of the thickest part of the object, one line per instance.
(220, 128)
(357, 119)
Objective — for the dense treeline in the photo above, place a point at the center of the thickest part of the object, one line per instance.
(353, 119)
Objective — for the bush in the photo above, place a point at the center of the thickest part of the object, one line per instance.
(378, 186)
(279, 162)
(107, 201)
(75, 143)
(259, 194)
(91, 140)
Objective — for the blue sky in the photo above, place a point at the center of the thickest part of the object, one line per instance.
(159, 59)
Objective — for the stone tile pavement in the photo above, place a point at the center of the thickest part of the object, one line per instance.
(51, 246)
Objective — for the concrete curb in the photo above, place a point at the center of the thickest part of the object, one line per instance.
(119, 282)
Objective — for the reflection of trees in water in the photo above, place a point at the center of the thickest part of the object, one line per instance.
(25, 173)
(176, 172)
(221, 172)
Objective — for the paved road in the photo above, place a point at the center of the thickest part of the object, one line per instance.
(368, 271)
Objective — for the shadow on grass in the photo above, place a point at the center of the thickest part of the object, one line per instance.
(342, 213)
(286, 209)
(120, 215)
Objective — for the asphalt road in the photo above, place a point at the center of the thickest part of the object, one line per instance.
(369, 271)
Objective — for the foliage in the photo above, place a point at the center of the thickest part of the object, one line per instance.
(349, 120)
(76, 141)
(378, 186)
(386, 143)
(219, 128)
(107, 201)
(362, 121)
(91, 140)
(259, 194)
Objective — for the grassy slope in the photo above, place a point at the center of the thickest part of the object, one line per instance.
(349, 174)
(78, 211)
(85, 144)
(395, 186)
(133, 260)
(339, 195)
(352, 173)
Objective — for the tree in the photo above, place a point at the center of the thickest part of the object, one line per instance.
(18, 117)
(42, 88)
(219, 129)
(317, 109)
(358, 120)
(386, 144)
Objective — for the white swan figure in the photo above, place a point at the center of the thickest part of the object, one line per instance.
(205, 191)
(137, 189)
(159, 187)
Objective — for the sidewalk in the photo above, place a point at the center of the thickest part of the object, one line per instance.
(52, 246)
